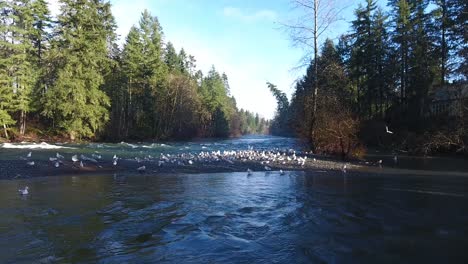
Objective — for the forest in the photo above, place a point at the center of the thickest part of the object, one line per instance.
(396, 80)
(68, 78)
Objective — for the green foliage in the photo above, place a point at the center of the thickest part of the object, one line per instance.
(384, 70)
(162, 96)
(76, 101)
(280, 124)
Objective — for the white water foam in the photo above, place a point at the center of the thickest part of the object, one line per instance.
(25, 145)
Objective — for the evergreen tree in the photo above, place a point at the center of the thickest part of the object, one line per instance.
(422, 62)
(76, 101)
(18, 73)
(401, 38)
(171, 58)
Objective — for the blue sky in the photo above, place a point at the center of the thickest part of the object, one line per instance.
(243, 38)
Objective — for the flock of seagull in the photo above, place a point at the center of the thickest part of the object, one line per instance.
(265, 158)
(183, 159)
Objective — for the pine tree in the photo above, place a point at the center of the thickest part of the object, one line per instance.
(459, 14)
(40, 37)
(422, 62)
(6, 50)
(362, 59)
(76, 101)
(401, 37)
(171, 58)
(18, 73)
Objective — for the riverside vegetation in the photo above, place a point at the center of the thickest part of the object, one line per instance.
(405, 69)
(67, 77)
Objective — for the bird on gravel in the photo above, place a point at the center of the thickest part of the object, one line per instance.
(141, 169)
(24, 191)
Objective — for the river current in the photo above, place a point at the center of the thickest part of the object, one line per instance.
(298, 217)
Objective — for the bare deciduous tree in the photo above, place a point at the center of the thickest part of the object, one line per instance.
(316, 16)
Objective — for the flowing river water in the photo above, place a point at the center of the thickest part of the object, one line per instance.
(267, 217)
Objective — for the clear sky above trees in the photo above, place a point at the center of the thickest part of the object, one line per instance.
(242, 38)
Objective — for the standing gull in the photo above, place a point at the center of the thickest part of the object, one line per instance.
(24, 191)
(141, 169)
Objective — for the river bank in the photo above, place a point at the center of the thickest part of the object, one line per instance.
(18, 169)
(255, 153)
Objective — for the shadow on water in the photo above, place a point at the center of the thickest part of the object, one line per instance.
(433, 163)
(234, 218)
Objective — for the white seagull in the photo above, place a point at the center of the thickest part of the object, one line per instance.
(141, 169)
(388, 131)
(249, 172)
(344, 168)
(75, 158)
(29, 155)
(24, 191)
(30, 163)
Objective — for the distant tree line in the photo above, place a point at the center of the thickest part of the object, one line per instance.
(67, 76)
(384, 71)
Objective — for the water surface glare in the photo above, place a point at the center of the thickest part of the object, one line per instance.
(235, 218)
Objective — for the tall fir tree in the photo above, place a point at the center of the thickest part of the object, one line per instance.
(76, 101)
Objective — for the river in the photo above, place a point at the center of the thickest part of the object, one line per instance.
(298, 217)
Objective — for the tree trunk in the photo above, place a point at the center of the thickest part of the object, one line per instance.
(22, 123)
(315, 54)
(6, 132)
(315, 91)
(444, 44)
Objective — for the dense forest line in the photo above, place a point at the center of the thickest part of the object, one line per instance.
(397, 79)
(68, 77)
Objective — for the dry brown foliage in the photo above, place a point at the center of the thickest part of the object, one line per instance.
(336, 130)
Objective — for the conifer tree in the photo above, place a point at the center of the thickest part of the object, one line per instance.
(76, 101)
